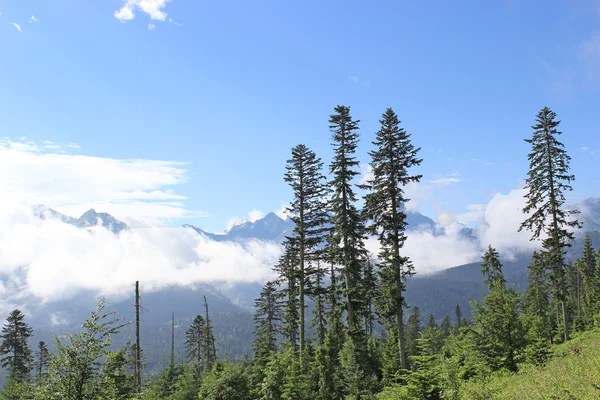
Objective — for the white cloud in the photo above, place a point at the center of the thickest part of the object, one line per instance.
(283, 212)
(252, 216)
(354, 79)
(51, 260)
(72, 184)
(584, 148)
(499, 225)
(171, 21)
(474, 213)
(74, 146)
(445, 181)
(33, 19)
(154, 9)
(17, 26)
(502, 218)
(151, 27)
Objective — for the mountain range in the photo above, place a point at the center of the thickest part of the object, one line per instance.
(232, 304)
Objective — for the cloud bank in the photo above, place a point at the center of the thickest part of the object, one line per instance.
(44, 173)
(51, 260)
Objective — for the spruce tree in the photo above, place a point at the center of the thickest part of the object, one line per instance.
(42, 360)
(548, 179)
(413, 329)
(491, 268)
(194, 342)
(266, 319)
(319, 292)
(348, 229)
(590, 286)
(309, 214)
(459, 320)
(391, 161)
(446, 327)
(287, 272)
(15, 354)
(208, 338)
(499, 328)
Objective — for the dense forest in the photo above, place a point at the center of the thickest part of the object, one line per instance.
(335, 323)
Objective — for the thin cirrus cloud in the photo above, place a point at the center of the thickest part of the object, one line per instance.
(44, 173)
(153, 8)
(17, 26)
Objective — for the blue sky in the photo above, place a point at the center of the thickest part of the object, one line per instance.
(230, 86)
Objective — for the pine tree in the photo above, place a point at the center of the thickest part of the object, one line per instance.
(194, 342)
(309, 214)
(548, 179)
(15, 354)
(43, 358)
(391, 161)
(348, 228)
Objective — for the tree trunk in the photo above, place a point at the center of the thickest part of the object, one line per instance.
(138, 351)
(401, 341)
(565, 319)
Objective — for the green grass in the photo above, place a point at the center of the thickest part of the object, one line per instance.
(572, 373)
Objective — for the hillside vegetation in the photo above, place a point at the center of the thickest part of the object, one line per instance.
(573, 372)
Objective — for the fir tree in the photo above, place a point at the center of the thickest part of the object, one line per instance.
(500, 331)
(43, 358)
(548, 179)
(458, 316)
(194, 342)
(424, 382)
(536, 303)
(588, 267)
(286, 269)
(348, 230)
(266, 319)
(208, 338)
(309, 214)
(391, 161)
(445, 327)
(413, 329)
(431, 322)
(15, 354)
(491, 268)
(319, 294)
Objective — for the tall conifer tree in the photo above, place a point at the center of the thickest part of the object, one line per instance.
(548, 179)
(309, 214)
(391, 161)
(15, 354)
(348, 229)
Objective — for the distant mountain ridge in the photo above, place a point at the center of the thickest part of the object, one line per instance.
(89, 219)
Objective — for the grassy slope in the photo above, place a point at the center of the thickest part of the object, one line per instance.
(572, 373)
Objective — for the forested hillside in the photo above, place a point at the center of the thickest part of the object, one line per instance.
(340, 322)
